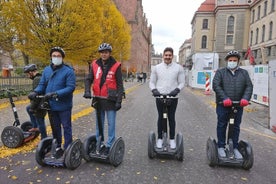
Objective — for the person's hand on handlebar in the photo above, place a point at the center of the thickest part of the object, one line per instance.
(244, 102)
(227, 102)
(155, 92)
(174, 92)
(32, 95)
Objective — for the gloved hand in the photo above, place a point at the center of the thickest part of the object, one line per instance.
(227, 102)
(155, 92)
(243, 102)
(118, 106)
(32, 95)
(174, 92)
(51, 95)
(87, 94)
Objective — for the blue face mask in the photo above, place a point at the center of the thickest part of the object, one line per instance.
(232, 65)
(57, 60)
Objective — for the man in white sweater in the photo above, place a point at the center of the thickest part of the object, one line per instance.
(167, 78)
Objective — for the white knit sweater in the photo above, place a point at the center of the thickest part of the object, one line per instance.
(165, 78)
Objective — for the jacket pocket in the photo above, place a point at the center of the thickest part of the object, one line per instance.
(112, 94)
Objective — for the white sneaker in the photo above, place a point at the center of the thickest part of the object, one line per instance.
(237, 154)
(221, 152)
(159, 143)
(172, 144)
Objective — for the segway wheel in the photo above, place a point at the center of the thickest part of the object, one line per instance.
(179, 147)
(117, 152)
(89, 146)
(151, 144)
(247, 152)
(12, 137)
(42, 149)
(26, 126)
(73, 155)
(211, 150)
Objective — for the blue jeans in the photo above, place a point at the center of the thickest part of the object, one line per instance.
(223, 118)
(111, 120)
(63, 118)
(37, 122)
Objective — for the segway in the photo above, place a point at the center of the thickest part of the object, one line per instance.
(93, 149)
(13, 136)
(165, 151)
(244, 147)
(46, 152)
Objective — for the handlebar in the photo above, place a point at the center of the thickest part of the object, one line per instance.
(164, 96)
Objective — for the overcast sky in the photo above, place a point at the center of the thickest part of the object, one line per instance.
(171, 21)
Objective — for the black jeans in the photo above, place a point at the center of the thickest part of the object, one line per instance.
(171, 116)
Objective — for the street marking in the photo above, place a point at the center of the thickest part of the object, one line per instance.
(258, 133)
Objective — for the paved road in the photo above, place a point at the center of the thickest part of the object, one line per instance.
(195, 119)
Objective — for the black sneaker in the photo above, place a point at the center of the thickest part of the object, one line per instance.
(106, 151)
(59, 153)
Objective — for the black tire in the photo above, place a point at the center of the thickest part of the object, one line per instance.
(179, 147)
(89, 146)
(42, 149)
(247, 152)
(26, 126)
(151, 144)
(212, 153)
(117, 152)
(12, 137)
(73, 155)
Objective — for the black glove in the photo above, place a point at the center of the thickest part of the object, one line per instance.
(32, 95)
(87, 95)
(174, 92)
(155, 92)
(118, 106)
(51, 95)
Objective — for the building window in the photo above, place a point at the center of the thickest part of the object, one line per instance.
(265, 8)
(259, 12)
(251, 38)
(253, 16)
(263, 33)
(272, 5)
(204, 42)
(205, 24)
(230, 25)
(270, 30)
(257, 35)
(268, 51)
(229, 39)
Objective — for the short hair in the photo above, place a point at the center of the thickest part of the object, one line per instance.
(168, 49)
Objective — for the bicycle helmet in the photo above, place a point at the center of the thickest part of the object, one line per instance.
(233, 53)
(57, 49)
(105, 46)
(29, 68)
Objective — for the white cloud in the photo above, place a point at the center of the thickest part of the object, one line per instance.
(171, 21)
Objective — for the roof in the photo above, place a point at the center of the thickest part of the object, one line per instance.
(207, 6)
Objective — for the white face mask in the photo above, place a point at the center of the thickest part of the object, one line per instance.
(232, 65)
(57, 60)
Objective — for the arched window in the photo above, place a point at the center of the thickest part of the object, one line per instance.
(257, 35)
(251, 38)
(230, 25)
(204, 42)
(270, 30)
(263, 33)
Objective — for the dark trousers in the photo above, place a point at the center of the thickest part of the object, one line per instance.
(171, 116)
(62, 118)
(223, 118)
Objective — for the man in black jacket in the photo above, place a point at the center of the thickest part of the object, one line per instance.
(231, 84)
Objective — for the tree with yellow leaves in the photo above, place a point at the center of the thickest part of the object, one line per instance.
(79, 26)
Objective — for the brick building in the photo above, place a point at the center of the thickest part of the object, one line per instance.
(141, 41)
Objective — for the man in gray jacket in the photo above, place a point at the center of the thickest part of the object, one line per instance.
(167, 78)
(231, 83)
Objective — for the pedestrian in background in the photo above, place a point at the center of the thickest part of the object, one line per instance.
(167, 78)
(231, 83)
(105, 78)
(58, 83)
(36, 114)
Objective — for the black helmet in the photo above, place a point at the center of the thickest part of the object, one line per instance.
(105, 46)
(57, 49)
(29, 68)
(233, 53)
